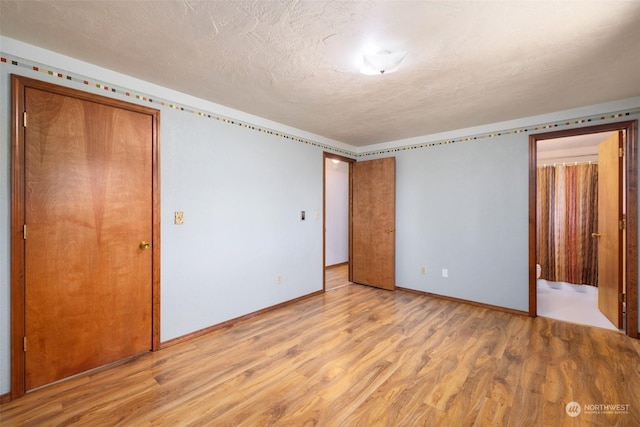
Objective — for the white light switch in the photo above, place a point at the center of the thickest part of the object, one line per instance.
(445, 272)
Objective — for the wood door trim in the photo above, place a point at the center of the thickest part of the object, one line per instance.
(18, 87)
(631, 168)
(631, 176)
(17, 241)
(325, 156)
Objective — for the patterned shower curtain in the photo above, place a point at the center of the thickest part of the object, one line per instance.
(567, 204)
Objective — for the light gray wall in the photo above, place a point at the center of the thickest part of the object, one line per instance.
(241, 193)
(461, 206)
(464, 207)
(336, 212)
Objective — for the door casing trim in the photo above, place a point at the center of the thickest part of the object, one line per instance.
(17, 250)
(325, 156)
(631, 208)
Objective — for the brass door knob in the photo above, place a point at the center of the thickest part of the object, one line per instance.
(144, 245)
(596, 234)
(389, 230)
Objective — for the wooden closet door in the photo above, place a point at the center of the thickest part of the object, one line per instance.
(88, 207)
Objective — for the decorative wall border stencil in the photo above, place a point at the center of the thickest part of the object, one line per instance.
(44, 69)
(65, 75)
(531, 129)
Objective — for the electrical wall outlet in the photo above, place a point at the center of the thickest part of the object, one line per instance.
(278, 279)
(423, 270)
(445, 272)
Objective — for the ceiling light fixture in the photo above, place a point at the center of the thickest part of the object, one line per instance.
(381, 62)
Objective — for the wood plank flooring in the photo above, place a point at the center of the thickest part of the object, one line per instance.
(336, 276)
(359, 356)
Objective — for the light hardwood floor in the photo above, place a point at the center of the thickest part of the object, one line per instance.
(336, 276)
(359, 356)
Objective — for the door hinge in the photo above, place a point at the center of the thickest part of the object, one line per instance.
(24, 232)
(622, 224)
(24, 343)
(620, 152)
(621, 297)
(24, 118)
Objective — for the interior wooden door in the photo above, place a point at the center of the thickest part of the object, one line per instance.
(609, 232)
(373, 193)
(88, 216)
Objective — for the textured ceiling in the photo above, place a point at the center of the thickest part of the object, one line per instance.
(295, 62)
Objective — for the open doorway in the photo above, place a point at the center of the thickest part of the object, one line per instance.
(568, 181)
(337, 171)
(572, 156)
(368, 205)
